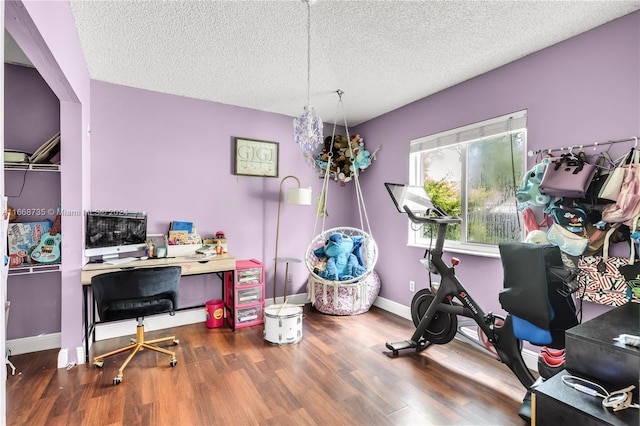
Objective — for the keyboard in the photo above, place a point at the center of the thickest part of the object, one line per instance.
(120, 260)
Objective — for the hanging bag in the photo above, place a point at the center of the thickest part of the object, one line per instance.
(568, 176)
(570, 214)
(603, 282)
(611, 187)
(604, 167)
(627, 205)
(567, 241)
(631, 272)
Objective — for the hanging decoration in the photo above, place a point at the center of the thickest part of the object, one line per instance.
(308, 127)
(343, 156)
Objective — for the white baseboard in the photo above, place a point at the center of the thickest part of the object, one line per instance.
(155, 322)
(393, 307)
(80, 354)
(63, 358)
(530, 359)
(294, 299)
(33, 344)
(159, 322)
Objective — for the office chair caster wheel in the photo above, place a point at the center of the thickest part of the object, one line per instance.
(176, 342)
(117, 380)
(173, 362)
(99, 364)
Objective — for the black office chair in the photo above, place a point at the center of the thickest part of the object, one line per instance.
(136, 293)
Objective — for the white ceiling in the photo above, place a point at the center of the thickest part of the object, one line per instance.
(382, 54)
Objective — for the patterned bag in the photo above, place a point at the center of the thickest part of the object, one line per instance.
(603, 282)
(627, 205)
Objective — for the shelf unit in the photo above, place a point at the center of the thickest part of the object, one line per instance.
(32, 167)
(244, 294)
(34, 269)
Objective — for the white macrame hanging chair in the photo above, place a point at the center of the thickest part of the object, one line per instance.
(369, 252)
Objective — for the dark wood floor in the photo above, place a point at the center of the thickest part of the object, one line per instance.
(338, 374)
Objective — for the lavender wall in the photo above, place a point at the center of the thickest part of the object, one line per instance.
(172, 157)
(580, 91)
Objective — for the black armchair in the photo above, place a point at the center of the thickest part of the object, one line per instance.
(136, 293)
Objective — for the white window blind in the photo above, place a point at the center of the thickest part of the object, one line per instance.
(491, 127)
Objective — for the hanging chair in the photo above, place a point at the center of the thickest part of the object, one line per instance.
(348, 297)
(345, 296)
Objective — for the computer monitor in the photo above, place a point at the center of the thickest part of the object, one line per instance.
(110, 233)
(415, 198)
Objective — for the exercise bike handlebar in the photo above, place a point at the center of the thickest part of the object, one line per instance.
(441, 218)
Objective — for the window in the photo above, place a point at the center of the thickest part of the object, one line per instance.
(473, 172)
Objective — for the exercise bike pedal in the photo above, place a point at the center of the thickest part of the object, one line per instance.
(396, 347)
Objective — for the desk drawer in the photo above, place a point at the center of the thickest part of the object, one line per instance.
(249, 295)
(249, 314)
(206, 266)
(249, 276)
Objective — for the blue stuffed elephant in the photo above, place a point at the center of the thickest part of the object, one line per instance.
(343, 258)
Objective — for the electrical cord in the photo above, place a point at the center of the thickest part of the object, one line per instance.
(24, 180)
(618, 400)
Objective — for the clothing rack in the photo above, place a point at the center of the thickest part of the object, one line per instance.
(595, 145)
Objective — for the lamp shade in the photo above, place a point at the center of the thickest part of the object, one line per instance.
(300, 196)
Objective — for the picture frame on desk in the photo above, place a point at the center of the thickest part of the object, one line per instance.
(254, 157)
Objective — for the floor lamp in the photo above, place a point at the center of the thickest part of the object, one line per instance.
(295, 195)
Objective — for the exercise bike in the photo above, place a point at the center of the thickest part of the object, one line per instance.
(435, 312)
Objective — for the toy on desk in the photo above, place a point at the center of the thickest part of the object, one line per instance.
(219, 249)
(151, 249)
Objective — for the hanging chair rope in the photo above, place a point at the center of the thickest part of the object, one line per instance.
(369, 248)
(324, 199)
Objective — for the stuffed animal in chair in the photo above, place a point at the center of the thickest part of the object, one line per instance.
(342, 263)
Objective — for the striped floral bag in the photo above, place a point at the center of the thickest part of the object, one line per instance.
(601, 278)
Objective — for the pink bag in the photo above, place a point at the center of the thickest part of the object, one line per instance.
(627, 205)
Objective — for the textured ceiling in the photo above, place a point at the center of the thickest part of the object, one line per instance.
(382, 54)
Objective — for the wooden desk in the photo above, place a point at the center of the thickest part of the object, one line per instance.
(221, 263)
(213, 265)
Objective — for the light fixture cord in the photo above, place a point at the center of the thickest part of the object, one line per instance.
(308, 52)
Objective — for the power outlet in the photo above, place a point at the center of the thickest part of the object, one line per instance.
(412, 286)
(290, 278)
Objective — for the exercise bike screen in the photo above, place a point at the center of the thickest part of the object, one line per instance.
(414, 197)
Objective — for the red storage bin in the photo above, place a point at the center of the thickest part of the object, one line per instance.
(215, 313)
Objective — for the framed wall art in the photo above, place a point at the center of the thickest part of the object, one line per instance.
(255, 158)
